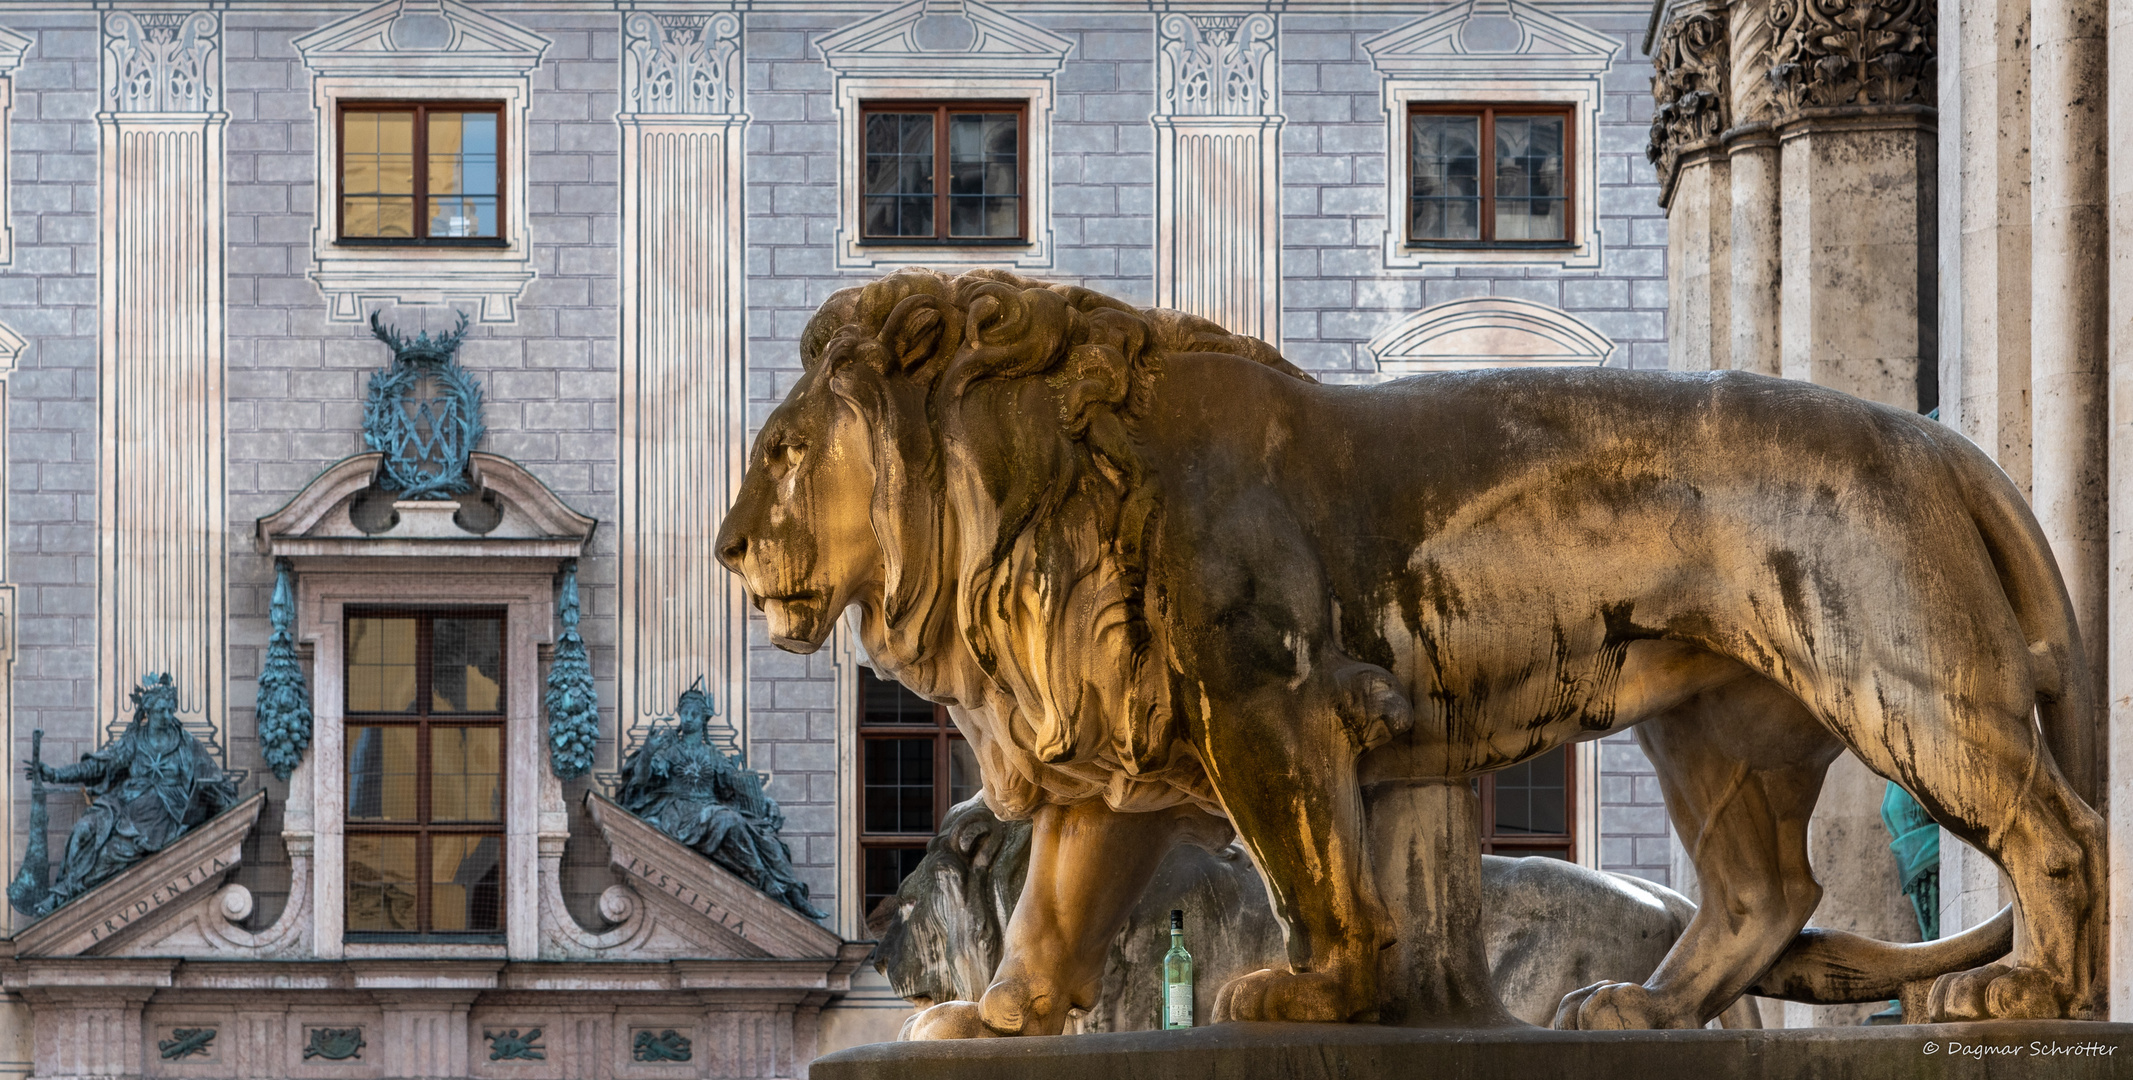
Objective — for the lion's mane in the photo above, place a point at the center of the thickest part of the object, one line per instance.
(1018, 563)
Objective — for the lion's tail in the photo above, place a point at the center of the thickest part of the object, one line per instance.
(2066, 691)
(1832, 967)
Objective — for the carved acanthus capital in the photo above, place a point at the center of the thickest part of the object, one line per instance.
(688, 64)
(162, 62)
(1689, 72)
(1216, 65)
(1852, 52)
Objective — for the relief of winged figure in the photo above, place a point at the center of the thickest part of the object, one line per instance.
(697, 794)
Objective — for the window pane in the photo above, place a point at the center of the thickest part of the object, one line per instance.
(1530, 796)
(383, 771)
(466, 774)
(462, 180)
(885, 701)
(381, 665)
(963, 778)
(466, 883)
(899, 786)
(1529, 178)
(886, 868)
(381, 884)
(1444, 170)
(899, 174)
(467, 666)
(378, 174)
(984, 174)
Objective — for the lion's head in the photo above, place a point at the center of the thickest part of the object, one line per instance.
(959, 459)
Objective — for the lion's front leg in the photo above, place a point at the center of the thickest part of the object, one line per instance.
(1286, 772)
(1088, 866)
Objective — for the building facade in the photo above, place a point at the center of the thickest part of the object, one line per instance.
(632, 210)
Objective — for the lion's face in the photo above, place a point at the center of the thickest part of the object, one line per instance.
(799, 532)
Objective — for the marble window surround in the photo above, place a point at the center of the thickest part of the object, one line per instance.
(533, 797)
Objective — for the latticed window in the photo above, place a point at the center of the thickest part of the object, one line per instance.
(1489, 175)
(421, 173)
(943, 173)
(1527, 809)
(913, 767)
(425, 708)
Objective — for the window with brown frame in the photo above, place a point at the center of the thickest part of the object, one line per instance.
(425, 715)
(1527, 808)
(422, 172)
(1489, 175)
(913, 766)
(907, 197)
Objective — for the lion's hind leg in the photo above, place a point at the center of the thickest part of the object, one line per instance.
(1741, 766)
(2003, 796)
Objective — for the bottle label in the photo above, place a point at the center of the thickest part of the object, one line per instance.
(1178, 1005)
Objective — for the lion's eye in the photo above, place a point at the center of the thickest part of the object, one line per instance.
(785, 456)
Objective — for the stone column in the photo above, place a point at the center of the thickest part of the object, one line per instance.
(1689, 118)
(1858, 159)
(1218, 171)
(159, 492)
(684, 393)
(1752, 157)
(2119, 661)
(2069, 276)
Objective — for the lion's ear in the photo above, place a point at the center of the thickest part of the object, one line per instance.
(913, 332)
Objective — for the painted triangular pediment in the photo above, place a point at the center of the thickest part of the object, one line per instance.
(1492, 36)
(699, 904)
(442, 35)
(929, 38)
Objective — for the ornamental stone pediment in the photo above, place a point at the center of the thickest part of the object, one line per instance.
(925, 39)
(176, 883)
(342, 512)
(678, 904)
(449, 36)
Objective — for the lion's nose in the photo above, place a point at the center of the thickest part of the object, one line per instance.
(731, 549)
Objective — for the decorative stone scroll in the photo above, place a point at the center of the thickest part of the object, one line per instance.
(1691, 104)
(1853, 52)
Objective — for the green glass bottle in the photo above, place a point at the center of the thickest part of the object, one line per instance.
(1177, 977)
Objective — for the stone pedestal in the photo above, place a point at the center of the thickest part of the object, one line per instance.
(2058, 1049)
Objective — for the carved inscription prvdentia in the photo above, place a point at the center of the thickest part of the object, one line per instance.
(1853, 52)
(177, 886)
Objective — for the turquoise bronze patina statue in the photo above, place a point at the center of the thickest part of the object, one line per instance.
(423, 412)
(703, 797)
(152, 785)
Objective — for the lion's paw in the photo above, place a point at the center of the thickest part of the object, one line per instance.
(947, 1020)
(1612, 1007)
(1266, 994)
(1022, 1006)
(1998, 992)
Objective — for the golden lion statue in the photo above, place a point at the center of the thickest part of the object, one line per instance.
(1164, 580)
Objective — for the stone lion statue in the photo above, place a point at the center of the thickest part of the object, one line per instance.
(1550, 926)
(1167, 584)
